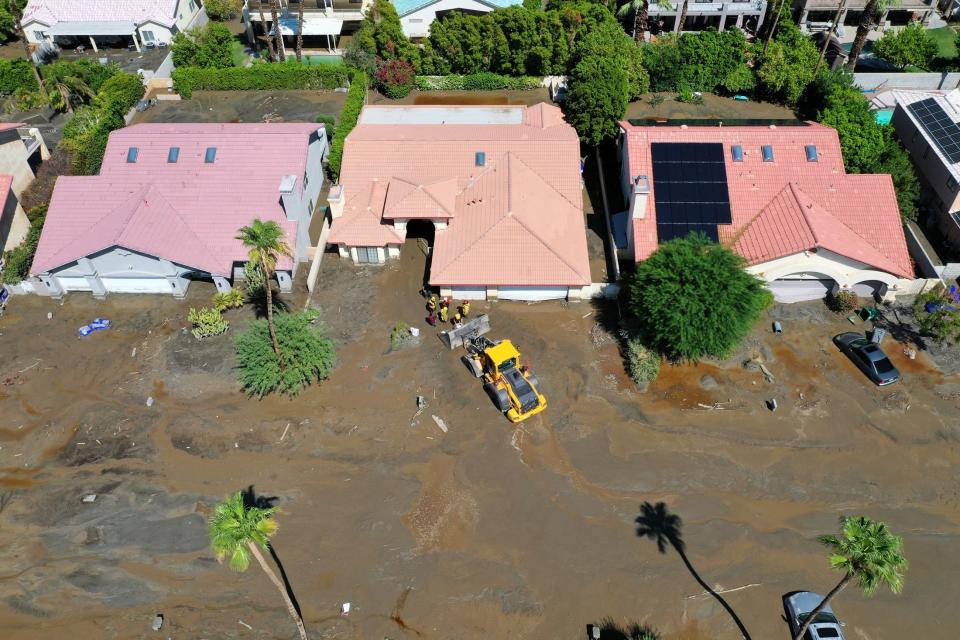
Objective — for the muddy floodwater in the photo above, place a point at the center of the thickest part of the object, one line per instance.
(481, 530)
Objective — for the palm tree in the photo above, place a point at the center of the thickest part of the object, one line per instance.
(277, 36)
(300, 30)
(867, 551)
(772, 29)
(266, 35)
(658, 524)
(683, 16)
(68, 89)
(868, 21)
(18, 21)
(639, 9)
(238, 530)
(266, 244)
(829, 35)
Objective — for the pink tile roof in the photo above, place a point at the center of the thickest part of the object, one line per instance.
(6, 183)
(187, 212)
(788, 205)
(50, 12)
(6, 126)
(516, 221)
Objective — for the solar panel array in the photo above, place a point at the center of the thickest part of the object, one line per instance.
(938, 125)
(690, 189)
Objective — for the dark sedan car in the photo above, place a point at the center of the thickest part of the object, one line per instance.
(869, 357)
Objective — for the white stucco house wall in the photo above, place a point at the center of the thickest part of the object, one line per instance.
(22, 149)
(416, 16)
(140, 22)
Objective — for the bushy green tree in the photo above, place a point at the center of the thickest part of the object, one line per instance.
(608, 39)
(307, 355)
(381, 35)
(528, 42)
(704, 61)
(912, 45)
(664, 63)
(223, 9)
(8, 24)
(92, 74)
(787, 66)
(17, 261)
(693, 299)
(210, 46)
(597, 98)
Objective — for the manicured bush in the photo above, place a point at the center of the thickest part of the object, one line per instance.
(692, 299)
(232, 299)
(395, 79)
(264, 76)
(17, 261)
(843, 301)
(307, 355)
(207, 322)
(223, 9)
(352, 106)
(643, 365)
(484, 81)
(16, 74)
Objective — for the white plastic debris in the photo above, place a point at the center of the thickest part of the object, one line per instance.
(440, 423)
(157, 622)
(345, 609)
(90, 497)
(414, 331)
(49, 315)
(150, 401)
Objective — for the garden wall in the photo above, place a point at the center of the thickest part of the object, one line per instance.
(884, 81)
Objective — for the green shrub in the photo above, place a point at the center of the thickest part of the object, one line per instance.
(329, 124)
(232, 299)
(207, 322)
(938, 313)
(16, 74)
(843, 301)
(253, 280)
(92, 74)
(395, 79)
(25, 100)
(307, 355)
(17, 261)
(399, 333)
(643, 365)
(120, 93)
(287, 75)
(209, 46)
(484, 81)
(656, 100)
(223, 9)
(352, 106)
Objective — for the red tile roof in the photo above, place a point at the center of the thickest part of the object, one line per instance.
(187, 212)
(789, 205)
(517, 220)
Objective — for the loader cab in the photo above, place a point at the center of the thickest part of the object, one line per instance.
(503, 357)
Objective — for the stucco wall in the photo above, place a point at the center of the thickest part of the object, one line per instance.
(13, 161)
(827, 265)
(14, 224)
(123, 263)
(885, 81)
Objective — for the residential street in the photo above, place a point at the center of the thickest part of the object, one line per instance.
(483, 531)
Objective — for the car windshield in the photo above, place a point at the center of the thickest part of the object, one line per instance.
(827, 632)
(508, 364)
(822, 618)
(883, 365)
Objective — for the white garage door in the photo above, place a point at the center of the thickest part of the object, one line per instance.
(73, 284)
(533, 293)
(470, 293)
(137, 285)
(800, 290)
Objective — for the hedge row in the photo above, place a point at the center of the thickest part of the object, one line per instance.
(356, 98)
(484, 81)
(17, 261)
(85, 136)
(16, 74)
(290, 75)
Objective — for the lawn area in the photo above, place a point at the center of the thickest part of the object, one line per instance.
(946, 41)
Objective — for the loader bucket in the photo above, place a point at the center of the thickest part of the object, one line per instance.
(473, 329)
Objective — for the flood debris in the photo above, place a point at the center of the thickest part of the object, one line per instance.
(157, 622)
(90, 497)
(772, 404)
(440, 423)
(149, 401)
(345, 609)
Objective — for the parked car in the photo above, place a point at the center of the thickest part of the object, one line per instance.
(869, 357)
(825, 626)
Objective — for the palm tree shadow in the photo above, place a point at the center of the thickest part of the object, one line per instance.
(259, 301)
(656, 523)
(251, 499)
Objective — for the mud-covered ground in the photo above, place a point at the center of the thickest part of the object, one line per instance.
(482, 531)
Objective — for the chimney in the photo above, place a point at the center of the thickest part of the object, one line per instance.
(638, 197)
(288, 197)
(336, 198)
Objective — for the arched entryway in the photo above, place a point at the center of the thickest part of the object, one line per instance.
(799, 287)
(870, 289)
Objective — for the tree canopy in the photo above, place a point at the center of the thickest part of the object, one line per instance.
(609, 40)
(223, 9)
(787, 66)
(210, 46)
(706, 61)
(693, 299)
(597, 97)
(912, 45)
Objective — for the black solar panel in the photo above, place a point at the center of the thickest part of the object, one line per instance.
(935, 121)
(690, 189)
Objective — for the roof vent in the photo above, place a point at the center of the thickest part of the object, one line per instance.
(641, 184)
(173, 155)
(480, 158)
(132, 154)
(288, 184)
(767, 152)
(811, 150)
(210, 155)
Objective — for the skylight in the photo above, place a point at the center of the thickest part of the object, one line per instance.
(173, 155)
(767, 153)
(211, 155)
(132, 154)
(737, 152)
(811, 153)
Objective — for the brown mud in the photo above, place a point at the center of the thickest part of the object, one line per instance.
(486, 530)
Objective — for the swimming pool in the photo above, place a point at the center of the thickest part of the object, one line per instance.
(331, 59)
(883, 116)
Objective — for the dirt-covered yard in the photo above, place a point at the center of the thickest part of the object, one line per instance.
(482, 530)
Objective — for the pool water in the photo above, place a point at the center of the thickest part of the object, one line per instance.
(883, 116)
(332, 59)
